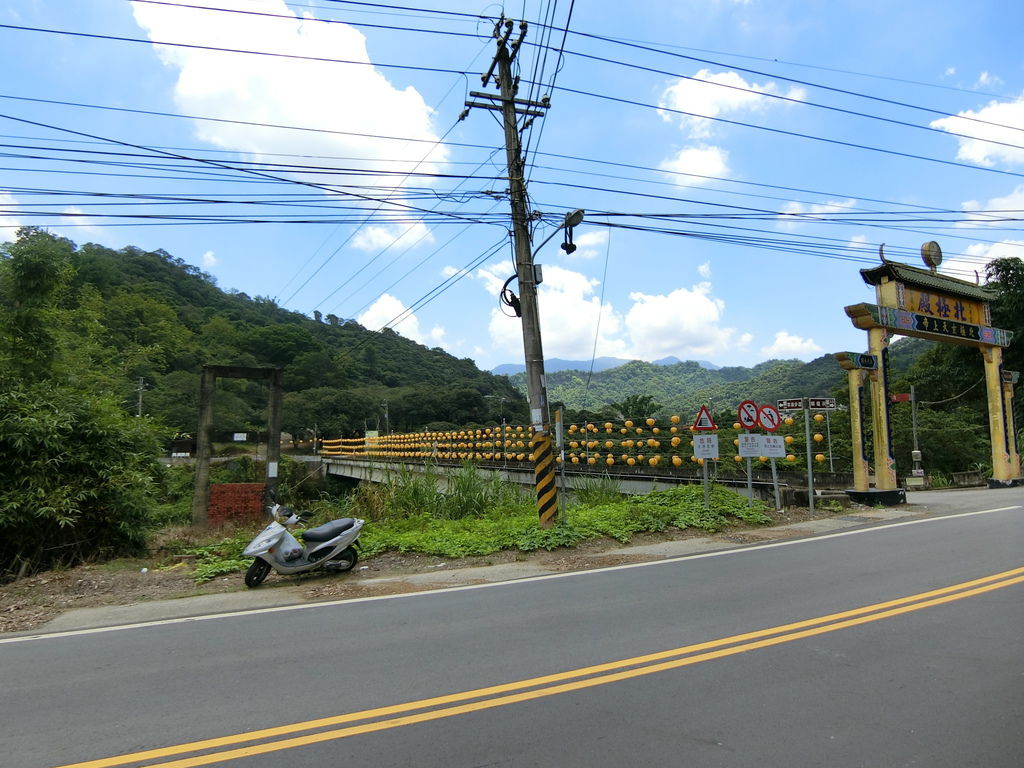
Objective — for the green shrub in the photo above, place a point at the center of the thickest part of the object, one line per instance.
(219, 558)
(77, 477)
(594, 490)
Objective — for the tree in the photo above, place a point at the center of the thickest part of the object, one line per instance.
(637, 406)
(37, 266)
(77, 468)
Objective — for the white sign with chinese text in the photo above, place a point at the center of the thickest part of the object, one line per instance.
(705, 446)
(773, 446)
(750, 446)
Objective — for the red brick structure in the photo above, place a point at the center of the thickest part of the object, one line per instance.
(236, 502)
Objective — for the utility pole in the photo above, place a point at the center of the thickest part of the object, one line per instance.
(140, 388)
(387, 422)
(511, 109)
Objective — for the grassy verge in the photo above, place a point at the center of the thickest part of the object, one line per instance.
(408, 516)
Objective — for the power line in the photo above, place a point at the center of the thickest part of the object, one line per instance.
(794, 134)
(213, 163)
(663, 48)
(219, 49)
(817, 105)
(537, 153)
(810, 84)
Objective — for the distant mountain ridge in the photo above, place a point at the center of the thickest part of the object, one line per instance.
(683, 387)
(556, 364)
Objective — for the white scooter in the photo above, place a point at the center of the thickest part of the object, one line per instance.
(330, 546)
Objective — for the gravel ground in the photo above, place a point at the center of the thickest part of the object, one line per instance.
(31, 602)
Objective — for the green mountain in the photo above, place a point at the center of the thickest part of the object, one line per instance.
(683, 387)
(131, 316)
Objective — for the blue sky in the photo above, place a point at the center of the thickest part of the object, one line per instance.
(711, 144)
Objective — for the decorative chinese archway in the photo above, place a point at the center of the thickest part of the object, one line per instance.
(922, 303)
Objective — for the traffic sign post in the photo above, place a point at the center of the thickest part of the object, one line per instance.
(768, 418)
(807, 404)
(775, 447)
(747, 413)
(810, 459)
(704, 422)
(750, 446)
(705, 447)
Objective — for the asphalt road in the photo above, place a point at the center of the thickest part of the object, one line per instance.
(894, 646)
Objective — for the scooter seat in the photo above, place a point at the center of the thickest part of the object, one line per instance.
(328, 531)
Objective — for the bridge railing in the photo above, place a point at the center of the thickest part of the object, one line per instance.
(640, 443)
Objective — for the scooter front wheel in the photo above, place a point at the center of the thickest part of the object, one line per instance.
(345, 561)
(257, 572)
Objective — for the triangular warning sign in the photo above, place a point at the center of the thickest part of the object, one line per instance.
(704, 422)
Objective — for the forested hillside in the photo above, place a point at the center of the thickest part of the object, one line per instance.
(684, 387)
(131, 315)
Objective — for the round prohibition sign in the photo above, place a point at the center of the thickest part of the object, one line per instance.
(748, 414)
(768, 418)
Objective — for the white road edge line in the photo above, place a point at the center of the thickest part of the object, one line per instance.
(528, 579)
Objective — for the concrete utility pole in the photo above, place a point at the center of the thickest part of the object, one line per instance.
(511, 109)
(140, 389)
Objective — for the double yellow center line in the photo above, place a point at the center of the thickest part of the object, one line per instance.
(284, 737)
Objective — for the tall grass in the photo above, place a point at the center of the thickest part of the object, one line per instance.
(594, 490)
(405, 495)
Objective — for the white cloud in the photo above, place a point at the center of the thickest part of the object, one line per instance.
(589, 244)
(373, 238)
(704, 270)
(209, 260)
(286, 91)
(685, 323)
(950, 71)
(792, 212)
(995, 210)
(1007, 117)
(716, 94)
(495, 275)
(786, 345)
(80, 220)
(449, 271)
(988, 80)
(569, 312)
(385, 309)
(694, 162)
(977, 256)
(9, 222)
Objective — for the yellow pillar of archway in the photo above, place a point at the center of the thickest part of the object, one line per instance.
(857, 375)
(1009, 380)
(1003, 471)
(885, 463)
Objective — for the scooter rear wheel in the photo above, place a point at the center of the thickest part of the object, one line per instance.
(257, 572)
(345, 561)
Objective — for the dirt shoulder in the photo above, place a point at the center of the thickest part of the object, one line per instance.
(30, 603)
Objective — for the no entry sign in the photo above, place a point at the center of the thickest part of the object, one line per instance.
(768, 417)
(748, 414)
